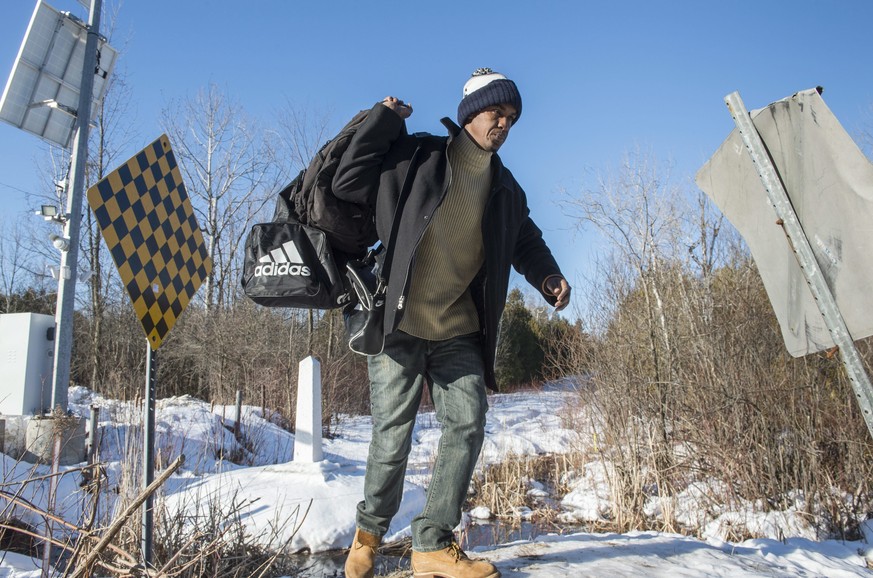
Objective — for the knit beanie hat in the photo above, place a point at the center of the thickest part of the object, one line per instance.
(487, 88)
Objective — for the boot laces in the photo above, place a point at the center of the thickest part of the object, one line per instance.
(456, 552)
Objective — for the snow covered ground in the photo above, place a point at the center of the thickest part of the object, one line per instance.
(310, 506)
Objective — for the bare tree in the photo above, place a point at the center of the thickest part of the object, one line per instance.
(635, 209)
(16, 273)
(300, 133)
(110, 142)
(111, 137)
(226, 168)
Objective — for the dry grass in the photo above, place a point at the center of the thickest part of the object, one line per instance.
(505, 487)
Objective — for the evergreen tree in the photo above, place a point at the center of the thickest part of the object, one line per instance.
(31, 300)
(519, 351)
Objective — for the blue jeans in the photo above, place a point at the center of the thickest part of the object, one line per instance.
(454, 369)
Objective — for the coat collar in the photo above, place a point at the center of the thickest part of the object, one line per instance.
(453, 128)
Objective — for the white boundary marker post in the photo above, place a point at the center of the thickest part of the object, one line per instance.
(307, 436)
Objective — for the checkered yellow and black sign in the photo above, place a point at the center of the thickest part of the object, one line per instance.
(149, 226)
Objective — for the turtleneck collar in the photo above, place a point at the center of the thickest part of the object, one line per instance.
(465, 150)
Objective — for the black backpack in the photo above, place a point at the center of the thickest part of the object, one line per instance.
(299, 258)
(309, 199)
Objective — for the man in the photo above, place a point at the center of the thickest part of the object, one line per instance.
(463, 223)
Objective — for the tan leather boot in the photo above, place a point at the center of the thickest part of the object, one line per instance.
(362, 555)
(450, 563)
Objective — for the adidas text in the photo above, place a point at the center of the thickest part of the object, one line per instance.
(278, 269)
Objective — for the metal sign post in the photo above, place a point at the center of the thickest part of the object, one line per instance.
(815, 279)
(149, 226)
(149, 458)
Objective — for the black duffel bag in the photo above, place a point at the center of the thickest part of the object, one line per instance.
(365, 313)
(288, 264)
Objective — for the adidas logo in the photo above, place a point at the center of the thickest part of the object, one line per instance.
(284, 260)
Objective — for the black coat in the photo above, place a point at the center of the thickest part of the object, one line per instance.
(382, 158)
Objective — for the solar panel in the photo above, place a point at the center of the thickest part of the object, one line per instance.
(42, 92)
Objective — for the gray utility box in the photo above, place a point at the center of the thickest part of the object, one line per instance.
(27, 350)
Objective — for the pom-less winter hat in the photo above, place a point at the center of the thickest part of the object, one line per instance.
(487, 88)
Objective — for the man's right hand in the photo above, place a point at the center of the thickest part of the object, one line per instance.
(403, 109)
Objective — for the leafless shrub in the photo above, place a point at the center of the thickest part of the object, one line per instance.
(208, 539)
(688, 373)
(211, 539)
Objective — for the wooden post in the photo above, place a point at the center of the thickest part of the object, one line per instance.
(238, 415)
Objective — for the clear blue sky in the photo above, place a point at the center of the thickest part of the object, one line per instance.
(598, 78)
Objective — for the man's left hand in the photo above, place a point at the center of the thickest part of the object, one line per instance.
(558, 286)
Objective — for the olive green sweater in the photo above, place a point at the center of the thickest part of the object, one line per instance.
(439, 305)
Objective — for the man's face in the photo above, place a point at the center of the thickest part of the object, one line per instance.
(490, 127)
